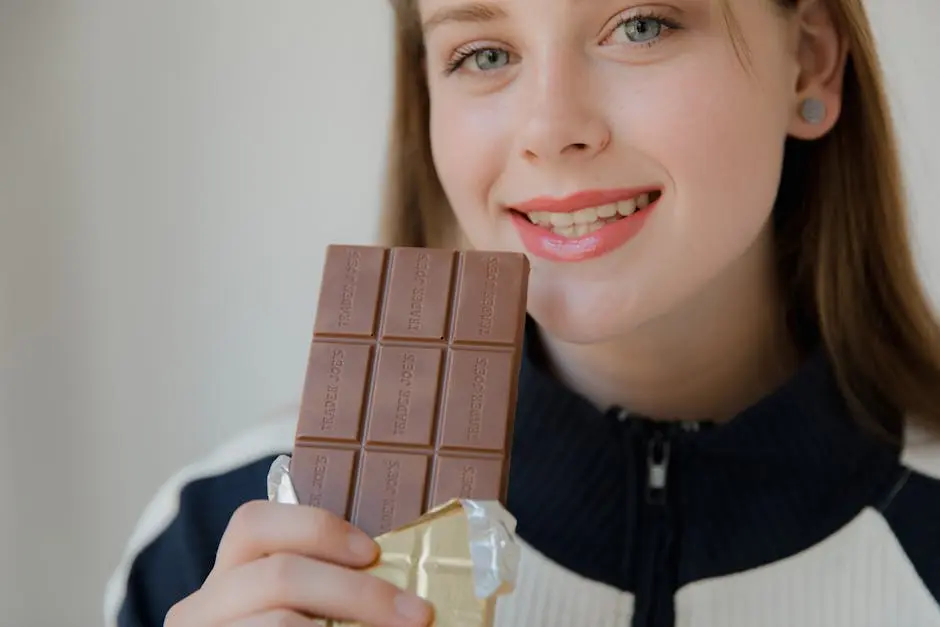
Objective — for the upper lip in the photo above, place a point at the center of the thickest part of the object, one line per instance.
(580, 200)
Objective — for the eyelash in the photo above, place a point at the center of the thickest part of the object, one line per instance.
(464, 53)
(667, 23)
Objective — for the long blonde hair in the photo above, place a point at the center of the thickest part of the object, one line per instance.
(845, 262)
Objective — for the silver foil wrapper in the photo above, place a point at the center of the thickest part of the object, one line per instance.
(461, 556)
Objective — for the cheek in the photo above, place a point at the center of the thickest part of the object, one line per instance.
(718, 135)
(467, 143)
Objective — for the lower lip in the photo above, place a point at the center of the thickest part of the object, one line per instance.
(541, 242)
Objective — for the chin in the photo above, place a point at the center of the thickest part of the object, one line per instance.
(585, 314)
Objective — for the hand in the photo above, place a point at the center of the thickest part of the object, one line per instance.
(281, 565)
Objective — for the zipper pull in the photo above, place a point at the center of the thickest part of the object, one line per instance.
(657, 463)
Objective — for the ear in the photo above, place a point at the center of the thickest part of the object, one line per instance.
(822, 54)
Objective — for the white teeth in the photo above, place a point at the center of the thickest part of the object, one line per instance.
(584, 221)
(578, 230)
(585, 216)
(626, 207)
(561, 219)
(607, 211)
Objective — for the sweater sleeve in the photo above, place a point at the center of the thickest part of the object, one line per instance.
(174, 545)
(913, 511)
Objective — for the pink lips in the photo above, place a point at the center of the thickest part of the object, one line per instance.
(542, 242)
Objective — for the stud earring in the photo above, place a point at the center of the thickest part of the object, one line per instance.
(813, 110)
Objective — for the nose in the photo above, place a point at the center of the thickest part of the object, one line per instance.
(563, 121)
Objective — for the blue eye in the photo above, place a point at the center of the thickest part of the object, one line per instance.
(642, 29)
(482, 59)
(490, 59)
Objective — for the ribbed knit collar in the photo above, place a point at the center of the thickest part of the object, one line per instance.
(782, 475)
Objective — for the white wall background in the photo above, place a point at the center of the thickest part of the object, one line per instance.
(169, 175)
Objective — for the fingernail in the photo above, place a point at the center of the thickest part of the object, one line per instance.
(413, 608)
(361, 545)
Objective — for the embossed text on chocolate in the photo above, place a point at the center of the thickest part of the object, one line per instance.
(320, 464)
(390, 497)
(468, 478)
(403, 409)
(477, 399)
(334, 378)
(488, 302)
(351, 278)
(419, 292)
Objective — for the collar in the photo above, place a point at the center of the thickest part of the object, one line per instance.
(782, 475)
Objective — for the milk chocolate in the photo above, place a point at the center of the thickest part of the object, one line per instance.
(410, 391)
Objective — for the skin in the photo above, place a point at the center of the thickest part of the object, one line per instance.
(681, 322)
(567, 101)
(281, 565)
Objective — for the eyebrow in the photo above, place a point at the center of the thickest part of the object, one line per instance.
(469, 12)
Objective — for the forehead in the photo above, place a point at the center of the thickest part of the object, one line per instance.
(425, 7)
(433, 13)
(735, 17)
(481, 7)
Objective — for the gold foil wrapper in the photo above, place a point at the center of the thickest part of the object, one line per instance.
(460, 556)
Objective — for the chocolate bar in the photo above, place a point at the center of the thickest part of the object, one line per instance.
(410, 392)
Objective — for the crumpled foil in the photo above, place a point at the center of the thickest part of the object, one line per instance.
(461, 556)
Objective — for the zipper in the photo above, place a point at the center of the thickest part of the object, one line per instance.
(656, 558)
(658, 451)
(654, 565)
(659, 527)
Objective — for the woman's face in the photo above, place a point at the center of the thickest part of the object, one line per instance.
(632, 149)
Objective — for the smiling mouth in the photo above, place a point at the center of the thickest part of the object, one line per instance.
(590, 219)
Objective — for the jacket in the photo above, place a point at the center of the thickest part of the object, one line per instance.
(790, 515)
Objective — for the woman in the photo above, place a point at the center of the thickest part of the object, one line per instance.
(730, 390)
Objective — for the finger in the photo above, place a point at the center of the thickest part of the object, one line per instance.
(278, 618)
(306, 586)
(260, 528)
